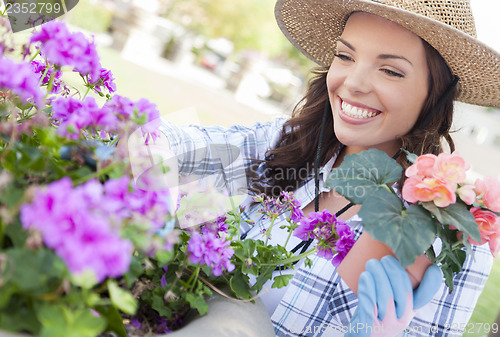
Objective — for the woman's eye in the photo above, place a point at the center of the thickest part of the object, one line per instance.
(343, 57)
(393, 73)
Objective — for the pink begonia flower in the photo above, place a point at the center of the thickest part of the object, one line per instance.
(451, 167)
(495, 244)
(488, 191)
(467, 194)
(445, 166)
(423, 166)
(489, 227)
(429, 189)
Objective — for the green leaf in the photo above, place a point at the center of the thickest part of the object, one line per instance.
(198, 302)
(35, 272)
(164, 256)
(134, 271)
(281, 281)
(266, 273)
(408, 232)
(19, 315)
(362, 174)
(448, 276)
(59, 321)
(457, 215)
(308, 262)
(113, 319)
(412, 158)
(240, 286)
(121, 298)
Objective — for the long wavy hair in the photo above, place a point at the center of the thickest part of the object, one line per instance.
(292, 161)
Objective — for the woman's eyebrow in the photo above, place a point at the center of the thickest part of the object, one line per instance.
(389, 56)
(347, 44)
(381, 56)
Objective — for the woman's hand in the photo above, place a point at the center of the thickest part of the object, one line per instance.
(387, 302)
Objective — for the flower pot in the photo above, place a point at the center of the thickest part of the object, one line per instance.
(228, 317)
(367, 248)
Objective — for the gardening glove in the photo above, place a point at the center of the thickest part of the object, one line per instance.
(387, 302)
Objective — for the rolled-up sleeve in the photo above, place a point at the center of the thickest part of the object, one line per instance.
(221, 155)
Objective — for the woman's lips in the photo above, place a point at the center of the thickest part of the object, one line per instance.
(356, 114)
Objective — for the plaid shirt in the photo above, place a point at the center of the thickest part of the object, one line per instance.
(316, 302)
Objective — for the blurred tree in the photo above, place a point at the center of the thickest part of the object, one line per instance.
(249, 24)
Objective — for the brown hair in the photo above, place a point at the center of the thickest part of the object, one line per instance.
(295, 151)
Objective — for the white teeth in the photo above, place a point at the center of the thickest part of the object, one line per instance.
(356, 112)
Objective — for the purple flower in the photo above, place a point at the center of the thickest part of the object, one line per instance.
(64, 48)
(79, 231)
(273, 208)
(20, 79)
(135, 323)
(120, 106)
(217, 227)
(211, 250)
(333, 234)
(105, 80)
(163, 281)
(74, 115)
(39, 69)
(150, 129)
(82, 223)
(344, 242)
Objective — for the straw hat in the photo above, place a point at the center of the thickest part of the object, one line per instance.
(313, 27)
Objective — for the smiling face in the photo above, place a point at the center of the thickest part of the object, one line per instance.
(377, 83)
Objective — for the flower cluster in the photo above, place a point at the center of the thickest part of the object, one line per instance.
(212, 251)
(82, 224)
(219, 227)
(72, 223)
(20, 80)
(63, 48)
(440, 179)
(437, 179)
(74, 115)
(273, 208)
(333, 234)
(143, 111)
(45, 73)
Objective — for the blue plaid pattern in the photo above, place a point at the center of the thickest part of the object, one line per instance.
(316, 302)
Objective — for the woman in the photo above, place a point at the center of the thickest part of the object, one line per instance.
(391, 70)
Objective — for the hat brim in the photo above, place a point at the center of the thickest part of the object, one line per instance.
(314, 26)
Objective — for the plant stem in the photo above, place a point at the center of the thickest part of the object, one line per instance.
(193, 278)
(288, 237)
(178, 275)
(36, 54)
(293, 258)
(86, 93)
(2, 232)
(389, 187)
(99, 173)
(268, 231)
(431, 254)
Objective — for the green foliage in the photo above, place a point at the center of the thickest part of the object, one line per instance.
(91, 16)
(361, 176)
(409, 232)
(365, 178)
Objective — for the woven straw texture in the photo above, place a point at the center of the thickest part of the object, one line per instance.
(313, 27)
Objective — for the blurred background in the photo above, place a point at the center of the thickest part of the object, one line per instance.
(225, 62)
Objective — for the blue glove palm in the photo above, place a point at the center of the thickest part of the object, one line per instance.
(387, 302)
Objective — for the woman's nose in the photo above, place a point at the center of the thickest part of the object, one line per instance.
(357, 80)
